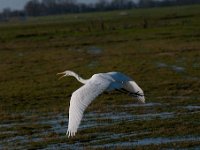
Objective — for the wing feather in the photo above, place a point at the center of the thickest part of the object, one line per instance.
(81, 98)
(132, 86)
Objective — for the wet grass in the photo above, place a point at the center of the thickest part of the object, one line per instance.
(158, 47)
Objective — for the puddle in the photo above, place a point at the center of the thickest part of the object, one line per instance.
(121, 116)
(191, 107)
(143, 105)
(162, 140)
(56, 123)
(16, 139)
(175, 97)
(64, 146)
(178, 69)
(112, 116)
(94, 50)
(175, 68)
(148, 141)
(161, 65)
(163, 115)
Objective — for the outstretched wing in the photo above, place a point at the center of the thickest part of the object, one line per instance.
(81, 98)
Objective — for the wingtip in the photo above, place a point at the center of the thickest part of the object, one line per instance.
(141, 99)
(70, 134)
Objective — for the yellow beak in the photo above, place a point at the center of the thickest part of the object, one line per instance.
(61, 73)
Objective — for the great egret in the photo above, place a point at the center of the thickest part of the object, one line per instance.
(93, 87)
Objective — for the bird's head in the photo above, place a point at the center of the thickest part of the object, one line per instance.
(66, 73)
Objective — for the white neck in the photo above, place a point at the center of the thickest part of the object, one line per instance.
(80, 79)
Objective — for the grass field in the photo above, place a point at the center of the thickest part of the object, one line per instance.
(159, 48)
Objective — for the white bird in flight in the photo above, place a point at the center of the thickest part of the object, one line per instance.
(93, 87)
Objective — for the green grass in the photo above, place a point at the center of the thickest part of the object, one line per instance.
(32, 52)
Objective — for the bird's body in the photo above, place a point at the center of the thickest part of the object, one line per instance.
(93, 87)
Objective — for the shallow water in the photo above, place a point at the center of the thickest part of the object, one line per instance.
(192, 107)
(57, 124)
(94, 50)
(178, 68)
(148, 141)
(175, 68)
(143, 105)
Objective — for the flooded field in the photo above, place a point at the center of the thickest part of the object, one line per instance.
(50, 128)
(163, 58)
